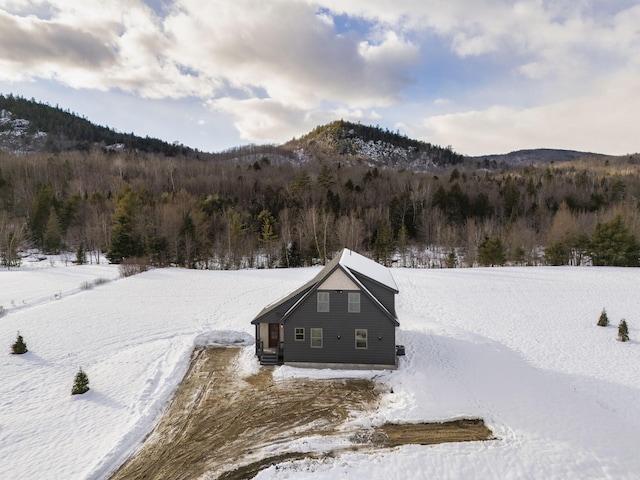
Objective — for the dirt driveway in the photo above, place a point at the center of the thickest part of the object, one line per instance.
(231, 428)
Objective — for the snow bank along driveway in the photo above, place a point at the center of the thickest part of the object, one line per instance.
(515, 346)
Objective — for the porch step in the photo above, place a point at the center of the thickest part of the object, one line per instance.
(269, 359)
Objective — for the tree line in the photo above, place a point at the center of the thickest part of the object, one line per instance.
(204, 213)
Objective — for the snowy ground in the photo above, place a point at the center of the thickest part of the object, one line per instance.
(516, 346)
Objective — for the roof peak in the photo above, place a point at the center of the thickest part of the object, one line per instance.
(365, 266)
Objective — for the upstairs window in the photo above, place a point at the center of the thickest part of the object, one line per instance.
(323, 301)
(354, 302)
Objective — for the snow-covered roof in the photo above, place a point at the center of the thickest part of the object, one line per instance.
(353, 263)
(365, 266)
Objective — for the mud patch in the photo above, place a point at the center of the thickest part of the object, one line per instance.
(220, 426)
(466, 430)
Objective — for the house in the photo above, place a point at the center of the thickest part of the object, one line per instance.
(344, 317)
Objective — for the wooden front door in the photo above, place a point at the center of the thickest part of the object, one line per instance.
(274, 335)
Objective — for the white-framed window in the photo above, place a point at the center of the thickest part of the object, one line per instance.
(316, 338)
(323, 301)
(354, 302)
(299, 334)
(362, 341)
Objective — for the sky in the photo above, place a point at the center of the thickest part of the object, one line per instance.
(481, 76)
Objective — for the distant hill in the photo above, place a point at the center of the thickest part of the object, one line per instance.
(29, 126)
(535, 156)
(353, 142)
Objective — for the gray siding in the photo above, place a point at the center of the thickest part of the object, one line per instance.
(338, 322)
(384, 295)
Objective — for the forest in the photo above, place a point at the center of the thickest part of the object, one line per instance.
(183, 211)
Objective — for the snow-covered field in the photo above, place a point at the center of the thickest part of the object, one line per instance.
(516, 346)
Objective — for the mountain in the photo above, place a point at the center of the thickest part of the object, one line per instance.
(28, 126)
(534, 156)
(356, 143)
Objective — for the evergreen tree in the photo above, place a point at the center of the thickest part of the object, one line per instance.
(623, 331)
(511, 198)
(603, 321)
(19, 347)
(187, 244)
(126, 240)
(491, 253)
(52, 241)
(81, 254)
(612, 244)
(41, 206)
(291, 256)
(267, 234)
(452, 260)
(80, 383)
(383, 245)
(267, 227)
(236, 236)
(519, 255)
(325, 177)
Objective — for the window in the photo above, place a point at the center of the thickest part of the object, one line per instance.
(323, 301)
(299, 334)
(354, 302)
(316, 338)
(361, 338)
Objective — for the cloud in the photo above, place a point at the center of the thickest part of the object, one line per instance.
(269, 121)
(284, 67)
(30, 42)
(286, 51)
(281, 66)
(289, 51)
(545, 38)
(603, 121)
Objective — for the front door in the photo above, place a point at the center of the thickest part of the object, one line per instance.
(274, 335)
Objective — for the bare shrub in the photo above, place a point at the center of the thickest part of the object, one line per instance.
(133, 266)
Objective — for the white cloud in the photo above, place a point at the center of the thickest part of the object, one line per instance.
(549, 38)
(268, 121)
(603, 121)
(290, 52)
(278, 67)
(286, 49)
(30, 42)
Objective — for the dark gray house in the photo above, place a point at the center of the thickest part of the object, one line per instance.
(344, 317)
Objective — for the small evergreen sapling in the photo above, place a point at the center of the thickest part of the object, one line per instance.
(19, 347)
(80, 384)
(81, 255)
(603, 321)
(623, 331)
